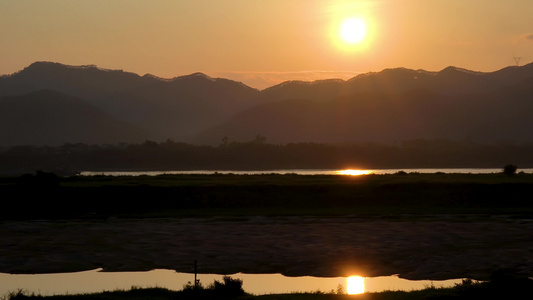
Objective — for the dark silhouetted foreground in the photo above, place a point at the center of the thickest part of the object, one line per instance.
(48, 196)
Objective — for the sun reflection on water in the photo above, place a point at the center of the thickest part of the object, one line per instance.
(95, 281)
(355, 285)
(354, 172)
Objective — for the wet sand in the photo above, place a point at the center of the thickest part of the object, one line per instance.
(425, 247)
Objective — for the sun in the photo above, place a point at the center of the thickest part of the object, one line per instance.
(353, 30)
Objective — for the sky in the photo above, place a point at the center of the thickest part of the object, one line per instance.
(264, 42)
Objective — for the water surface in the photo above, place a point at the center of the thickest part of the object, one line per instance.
(307, 171)
(258, 284)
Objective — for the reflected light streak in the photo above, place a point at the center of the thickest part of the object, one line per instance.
(354, 172)
(355, 285)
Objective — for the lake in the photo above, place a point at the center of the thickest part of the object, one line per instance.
(258, 284)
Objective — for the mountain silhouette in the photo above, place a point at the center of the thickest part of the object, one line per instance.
(166, 108)
(48, 117)
(392, 105)
(451, 80)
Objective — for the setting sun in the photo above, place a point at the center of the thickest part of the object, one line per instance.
(356, 285)
(353, 30)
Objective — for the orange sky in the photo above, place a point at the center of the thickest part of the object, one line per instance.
(264, 42)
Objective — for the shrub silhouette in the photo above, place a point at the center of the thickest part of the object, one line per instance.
(40, 180)
(509, 169)
(229, 288)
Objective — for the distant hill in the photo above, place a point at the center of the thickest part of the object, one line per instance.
(48, 117)
(166, 108)
(393, 105)
(387, 106)
(451, 80)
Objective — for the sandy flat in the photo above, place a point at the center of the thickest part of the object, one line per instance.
(434, 247)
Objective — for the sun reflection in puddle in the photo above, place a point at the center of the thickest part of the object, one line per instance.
(258, 284)
(355, 285)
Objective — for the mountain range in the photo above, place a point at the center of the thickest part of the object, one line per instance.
(49, 103)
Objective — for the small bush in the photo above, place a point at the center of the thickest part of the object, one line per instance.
(340, 289)
(509, 170)
(229, 288)
(18, 295)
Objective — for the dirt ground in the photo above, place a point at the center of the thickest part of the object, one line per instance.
(414, 247)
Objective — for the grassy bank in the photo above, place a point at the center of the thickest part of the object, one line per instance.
(49, 196)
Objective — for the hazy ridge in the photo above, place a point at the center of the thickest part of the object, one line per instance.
(391, 105)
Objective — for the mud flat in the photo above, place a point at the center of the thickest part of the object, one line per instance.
(434, 247)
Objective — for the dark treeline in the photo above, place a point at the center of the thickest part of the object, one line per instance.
(259, 155)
